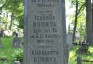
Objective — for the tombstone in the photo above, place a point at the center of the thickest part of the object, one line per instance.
(1, 46)
(1, 33)
(79, 60)
(45, 32)
(69, 40)
(17, 42)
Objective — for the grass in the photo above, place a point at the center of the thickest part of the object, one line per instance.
(8, 51)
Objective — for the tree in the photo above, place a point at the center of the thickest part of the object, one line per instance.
(75, 25)
(16, 7)
(79, 17)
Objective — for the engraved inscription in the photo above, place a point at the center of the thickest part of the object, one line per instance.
(44, 52)
(45, 17)
(54, 1)
(44, 24)
(44, 59)
(45, 41)
(44, 35)
(44, 32)
(45, 5)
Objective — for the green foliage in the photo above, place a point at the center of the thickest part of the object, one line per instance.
(18, 55)
(8, 51)
(81, 19)
(17, 8)
(2, 1)
(21, 21)
(73, 55)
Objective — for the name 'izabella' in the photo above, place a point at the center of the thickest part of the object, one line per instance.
(45, 17)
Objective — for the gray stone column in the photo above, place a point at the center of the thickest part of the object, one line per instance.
(45, 32)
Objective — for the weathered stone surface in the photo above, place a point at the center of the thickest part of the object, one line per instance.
(45, 32)
(17, 42)
(69, 40)
(1, 46)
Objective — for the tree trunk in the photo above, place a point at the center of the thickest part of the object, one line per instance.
(11, 22)
(75, 25)
(89, 31)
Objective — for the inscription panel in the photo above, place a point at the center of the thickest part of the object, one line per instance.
(45, 32)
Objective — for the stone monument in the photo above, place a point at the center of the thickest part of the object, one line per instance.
(69, 40)
(1, 46)
(17, 41)
(45, 32)
(1, 33)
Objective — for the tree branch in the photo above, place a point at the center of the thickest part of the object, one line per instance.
(80, 9)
